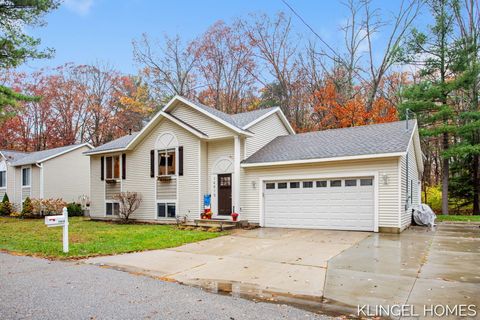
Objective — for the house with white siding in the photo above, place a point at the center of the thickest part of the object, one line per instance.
(363, 178)
(59, 173)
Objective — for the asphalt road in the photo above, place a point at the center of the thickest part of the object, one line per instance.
(32, 288)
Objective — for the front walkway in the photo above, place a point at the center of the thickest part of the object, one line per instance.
(261, 262)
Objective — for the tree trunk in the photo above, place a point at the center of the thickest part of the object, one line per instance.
(476, 186)
(445, 171)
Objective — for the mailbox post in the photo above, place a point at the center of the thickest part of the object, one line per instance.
(60, 221)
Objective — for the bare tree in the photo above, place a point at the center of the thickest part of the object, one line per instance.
(129, 203)
(168, 67)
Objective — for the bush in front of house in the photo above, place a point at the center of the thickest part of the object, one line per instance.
(27, 209)
(46, 207)
(74, 209)
(6, 207)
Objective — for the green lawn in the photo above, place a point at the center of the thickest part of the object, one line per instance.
(441, 218)
(91, 238)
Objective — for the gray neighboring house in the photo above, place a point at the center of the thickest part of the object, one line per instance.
(363, 178)
(55, 173)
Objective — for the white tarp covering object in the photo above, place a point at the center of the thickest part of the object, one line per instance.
(424, 215)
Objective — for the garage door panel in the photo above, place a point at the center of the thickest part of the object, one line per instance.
(345, 208)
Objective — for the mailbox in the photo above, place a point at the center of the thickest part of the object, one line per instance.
(55, 221)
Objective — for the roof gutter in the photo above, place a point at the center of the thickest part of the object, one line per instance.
(319, 160)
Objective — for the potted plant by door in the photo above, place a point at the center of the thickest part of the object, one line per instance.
(234, 216)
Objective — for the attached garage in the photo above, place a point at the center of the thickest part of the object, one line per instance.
(334, 203)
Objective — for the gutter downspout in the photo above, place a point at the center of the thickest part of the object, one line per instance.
(40, 165)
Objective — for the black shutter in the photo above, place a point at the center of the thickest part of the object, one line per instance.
(152, 163)
(102, 168)
(124, 166)
(180, 161)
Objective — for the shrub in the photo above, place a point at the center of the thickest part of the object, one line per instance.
(6, 208)
(47, 207)
(27, 210)
(129, 203)
(75, 209)
(5, 198)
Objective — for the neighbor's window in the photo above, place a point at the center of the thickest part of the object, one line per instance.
(113, 167)
(26, 177)
(270, 185)
(335, 183)
(282, 185)
(113, 208)
(321, 184)
(166, 210)
(294, 185)
(366, 182)
(351, 183)
(166, 162)
(308, 184)
(3, 179)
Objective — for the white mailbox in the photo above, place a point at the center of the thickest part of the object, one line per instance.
(55, 221)
(60, 221)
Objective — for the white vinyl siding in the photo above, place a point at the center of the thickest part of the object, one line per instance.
(97, 188)
(112, 189)
(413, 186)
(167, 190)
(138, 173)
(204, 123)
(265, 131)
(67, 176)
(387, 194)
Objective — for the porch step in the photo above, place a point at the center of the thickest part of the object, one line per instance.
(222, 224)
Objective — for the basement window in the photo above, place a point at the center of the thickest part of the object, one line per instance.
(112, 208)
(166, 210)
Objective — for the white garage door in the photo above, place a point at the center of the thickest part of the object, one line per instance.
(341, 204)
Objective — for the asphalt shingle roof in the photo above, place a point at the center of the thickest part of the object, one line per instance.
(34, 157)
(238, 120)
(13, 155)
(364, 140)
(114, 144)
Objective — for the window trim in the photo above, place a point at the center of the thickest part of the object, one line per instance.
(166, 202)
(29, 178)
(157, 164)
(113, 210)
(113, 167)
(6, 179)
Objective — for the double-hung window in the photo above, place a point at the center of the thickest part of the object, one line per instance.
(166, 162)
(112, 167)
(3, 179)
(26, 177)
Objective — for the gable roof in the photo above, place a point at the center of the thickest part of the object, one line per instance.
(371, 140)
(117, 144)
(11, 155)
(42, 156)
(238, 122)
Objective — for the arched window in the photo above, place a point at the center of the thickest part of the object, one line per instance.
(167, 154)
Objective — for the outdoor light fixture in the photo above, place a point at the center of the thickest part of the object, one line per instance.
(385, 178)
(254, 184)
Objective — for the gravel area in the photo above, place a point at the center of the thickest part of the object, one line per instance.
(32, 288)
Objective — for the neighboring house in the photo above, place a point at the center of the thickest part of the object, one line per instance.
(253, 163)
(55, 173)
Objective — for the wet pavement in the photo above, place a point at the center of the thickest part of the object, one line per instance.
(324, 270)
(418, 267)
(263, 261)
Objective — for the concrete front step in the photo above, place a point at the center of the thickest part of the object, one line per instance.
(222, 224)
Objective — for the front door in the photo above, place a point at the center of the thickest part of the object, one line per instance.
(224, 194)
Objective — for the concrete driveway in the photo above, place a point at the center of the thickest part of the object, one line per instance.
(419, 267)
(261, 262)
